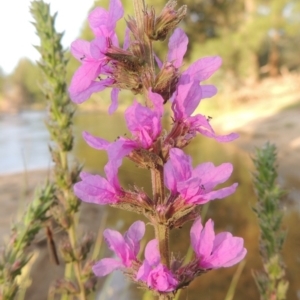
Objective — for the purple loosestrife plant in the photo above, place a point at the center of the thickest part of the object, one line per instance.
(178, 189)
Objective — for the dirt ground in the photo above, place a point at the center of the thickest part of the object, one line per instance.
(274, 117)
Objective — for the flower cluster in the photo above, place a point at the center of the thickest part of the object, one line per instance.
(178, 188)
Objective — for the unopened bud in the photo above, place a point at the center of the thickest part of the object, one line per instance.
(66, 251)
(66, 285)
(167, 20)
(84, 247)
(166, 81)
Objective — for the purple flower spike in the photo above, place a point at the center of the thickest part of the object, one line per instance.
(215, 251)
(125, 247)
(195, 186)
(153, 273)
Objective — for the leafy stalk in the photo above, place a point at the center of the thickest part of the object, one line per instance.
(271, 281)
(14, 257)
(53, 64)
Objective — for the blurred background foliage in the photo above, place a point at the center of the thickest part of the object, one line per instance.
(255, 38)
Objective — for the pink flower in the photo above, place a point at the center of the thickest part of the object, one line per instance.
(196, 185)
(97, 189)
(215, 251)
(189, 92)
(144, 124)
(156, 275)
(126, 248)
(186, 99)
(199, 71)
(92, 55)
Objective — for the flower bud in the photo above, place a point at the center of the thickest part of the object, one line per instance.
(67, 251)
(166, 21)
(65, 285)
(166, 81)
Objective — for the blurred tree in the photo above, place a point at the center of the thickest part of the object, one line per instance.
(26, 76)
(252, 36)
(2, 79)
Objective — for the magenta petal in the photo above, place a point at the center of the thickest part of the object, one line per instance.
(195, 233)
(222, 250)
(201, 70)
(114, 101)
(194, 97)
(98, 48)
(182, 164)
(228, 253)
(208, 91)
(158, 103)
(219, 194)
(106, 266)
(116, 11)
(95, 142)
(133, 236)
(239, 257)
(161, 279)
(117, 244)
(144, 124)
(169, 178)
(207, 237)
(178, 168)
(95, 189)
(79, 93)
(126, 43)
(222, 138)
(152, 254)
(187, 99)
(158, 61)
(98, 18)
(143, 271)
(80, 49)
(212, 176)
(177, 47)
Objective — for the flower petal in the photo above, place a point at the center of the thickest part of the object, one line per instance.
(106, 266)
(95, 142)
(117, 244)
(133, 236)
(152, 254)
(177, 47)
(95, 189)
(201, 70)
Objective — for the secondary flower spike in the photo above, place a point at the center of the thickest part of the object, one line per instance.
(215, 251)
(126, 248)
(195, 186)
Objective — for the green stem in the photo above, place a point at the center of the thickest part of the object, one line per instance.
(76, 264)
(165, 297)
(157, 177)
(162, 233)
